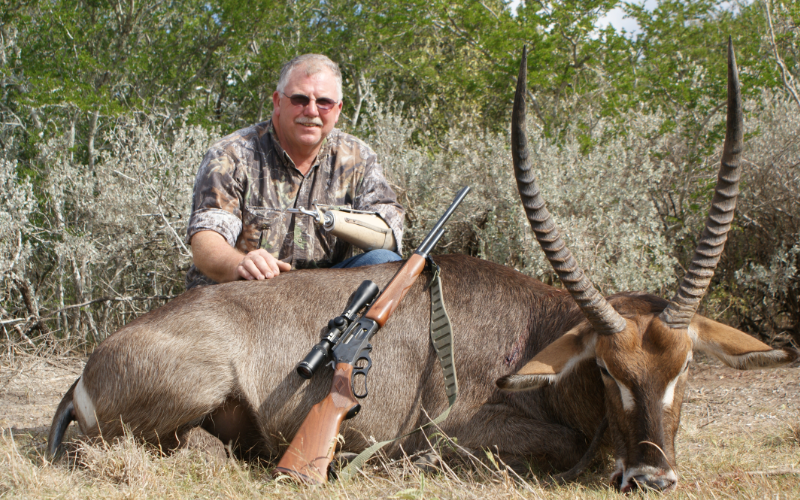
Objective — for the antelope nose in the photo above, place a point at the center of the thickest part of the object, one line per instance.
(659, 483)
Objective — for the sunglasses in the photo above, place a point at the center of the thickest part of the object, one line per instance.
(323, 103)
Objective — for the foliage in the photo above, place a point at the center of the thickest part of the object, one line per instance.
(105, 235)
(17, 206)
(763, 261)
(601, 200)
(107, 107)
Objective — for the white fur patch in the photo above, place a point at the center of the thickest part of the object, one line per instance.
(649, 477)
(693, 335)
(619, 466)
(628, 402)
(619, 470)
(669, 393)
(84, 408)
(525, 382)
(587, 352)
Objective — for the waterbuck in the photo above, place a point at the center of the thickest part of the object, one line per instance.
(220, 360)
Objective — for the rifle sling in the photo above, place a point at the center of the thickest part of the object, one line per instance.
(442, 339)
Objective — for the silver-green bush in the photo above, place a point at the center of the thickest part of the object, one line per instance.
(629, 198)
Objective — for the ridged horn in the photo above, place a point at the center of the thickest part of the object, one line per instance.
(603, 317)
(695, 283)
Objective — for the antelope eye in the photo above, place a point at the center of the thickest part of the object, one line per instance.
(604, 371)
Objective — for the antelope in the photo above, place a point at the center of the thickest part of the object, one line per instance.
(542, 371)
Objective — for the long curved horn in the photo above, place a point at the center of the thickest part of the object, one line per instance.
(603, 317)
(684, 304)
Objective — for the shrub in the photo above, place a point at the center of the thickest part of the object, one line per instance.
(601, 200)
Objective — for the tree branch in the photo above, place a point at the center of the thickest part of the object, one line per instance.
(53, 314)
(786, 77)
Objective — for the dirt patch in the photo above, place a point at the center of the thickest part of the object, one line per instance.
(733, 401)
(31, 388)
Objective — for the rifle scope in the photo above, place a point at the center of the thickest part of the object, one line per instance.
(321, 353)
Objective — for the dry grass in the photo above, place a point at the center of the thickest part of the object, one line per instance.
(740, 438)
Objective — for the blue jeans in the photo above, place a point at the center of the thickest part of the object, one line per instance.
(369, 259)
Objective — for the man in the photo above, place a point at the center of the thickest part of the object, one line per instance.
(239, 227)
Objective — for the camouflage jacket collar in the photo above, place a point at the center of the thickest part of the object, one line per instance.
(274, 142)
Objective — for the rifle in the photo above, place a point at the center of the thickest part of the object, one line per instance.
(311, 451)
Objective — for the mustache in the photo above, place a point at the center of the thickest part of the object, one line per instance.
(304, 120)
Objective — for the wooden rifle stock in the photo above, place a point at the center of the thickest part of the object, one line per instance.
(394, 292)
(311, 451)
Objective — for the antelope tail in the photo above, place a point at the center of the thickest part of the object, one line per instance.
(65, 413)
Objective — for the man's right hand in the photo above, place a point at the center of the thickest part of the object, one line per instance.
(260, 264)
(215, 258)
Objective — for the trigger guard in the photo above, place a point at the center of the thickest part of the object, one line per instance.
(362, 371)
(353, 386)
(364, 368)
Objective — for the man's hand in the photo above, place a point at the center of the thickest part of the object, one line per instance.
(215, 258)
(260, 264)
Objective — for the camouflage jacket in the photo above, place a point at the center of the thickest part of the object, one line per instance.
(246, 181)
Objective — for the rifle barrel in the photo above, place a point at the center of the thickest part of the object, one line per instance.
(431, 243)
(433, 236)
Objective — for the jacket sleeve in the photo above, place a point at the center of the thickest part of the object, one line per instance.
(218, 196)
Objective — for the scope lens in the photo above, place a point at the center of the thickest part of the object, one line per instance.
(316, 358)
(304, 370)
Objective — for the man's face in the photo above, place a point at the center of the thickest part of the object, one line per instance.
(301, 129)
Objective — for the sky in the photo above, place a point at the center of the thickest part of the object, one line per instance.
(616, 18)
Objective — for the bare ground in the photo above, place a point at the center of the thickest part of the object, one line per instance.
(31, 388)
(739, 437)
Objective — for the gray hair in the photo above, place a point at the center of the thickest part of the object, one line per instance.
(312, 64)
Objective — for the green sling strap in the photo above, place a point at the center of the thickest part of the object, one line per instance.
(442, 339)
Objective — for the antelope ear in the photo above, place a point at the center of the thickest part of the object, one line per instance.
(555, 361)
(736, 348)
